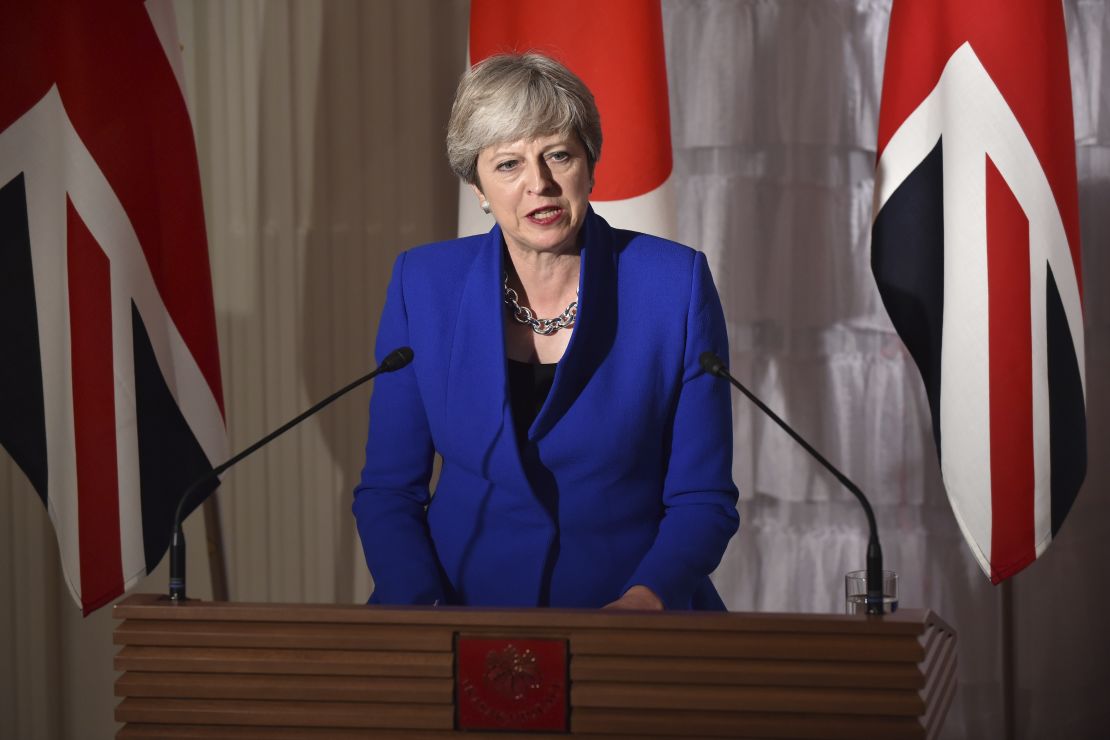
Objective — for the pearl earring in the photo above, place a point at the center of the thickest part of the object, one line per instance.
(485, 206)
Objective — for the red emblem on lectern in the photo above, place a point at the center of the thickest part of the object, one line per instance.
(511, 684)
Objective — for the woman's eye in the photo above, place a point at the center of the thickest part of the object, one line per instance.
(558, 156)
(506, 165)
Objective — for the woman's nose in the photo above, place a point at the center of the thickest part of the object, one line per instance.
(539, 179)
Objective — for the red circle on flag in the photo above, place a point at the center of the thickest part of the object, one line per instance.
(616, 47)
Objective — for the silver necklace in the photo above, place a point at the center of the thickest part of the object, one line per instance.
(543, 327)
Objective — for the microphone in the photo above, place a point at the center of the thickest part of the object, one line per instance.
(713, 365)
(395, 360)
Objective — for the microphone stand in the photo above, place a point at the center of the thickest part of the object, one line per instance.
(395, 360)
(714, 366)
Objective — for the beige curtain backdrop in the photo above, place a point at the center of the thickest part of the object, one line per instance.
(319, 128)
(319, 131)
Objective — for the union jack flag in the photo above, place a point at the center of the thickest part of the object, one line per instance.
(110, 380)
(975, 248)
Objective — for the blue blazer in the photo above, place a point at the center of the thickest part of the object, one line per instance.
(626, 475)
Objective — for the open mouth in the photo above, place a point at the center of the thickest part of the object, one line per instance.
(545, 215)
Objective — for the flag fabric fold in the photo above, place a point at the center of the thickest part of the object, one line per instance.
(616, 47)
(111, 382)
(975, 250)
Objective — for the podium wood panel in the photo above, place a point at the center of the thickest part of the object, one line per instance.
(738, 672)
(207, 670)
(389, 664)
(291, 687)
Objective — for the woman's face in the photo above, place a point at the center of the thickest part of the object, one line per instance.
(538, 190)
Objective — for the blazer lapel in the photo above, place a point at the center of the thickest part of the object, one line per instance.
(477, 386)
(594, 330)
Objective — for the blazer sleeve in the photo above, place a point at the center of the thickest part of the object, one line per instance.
(392, 496)
(699, 496)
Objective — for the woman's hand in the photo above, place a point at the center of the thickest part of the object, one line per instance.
(637, 597)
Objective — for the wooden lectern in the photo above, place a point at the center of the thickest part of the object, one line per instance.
(207, 670)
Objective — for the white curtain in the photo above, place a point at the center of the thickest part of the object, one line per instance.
(774, 108)
(320, 136)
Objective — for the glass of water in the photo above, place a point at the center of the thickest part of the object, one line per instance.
(855, 592)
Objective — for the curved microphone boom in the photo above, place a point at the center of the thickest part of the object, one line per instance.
(395, 360)
(713, 365)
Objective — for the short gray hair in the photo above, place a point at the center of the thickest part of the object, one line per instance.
(509, 97)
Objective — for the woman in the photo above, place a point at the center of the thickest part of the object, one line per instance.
(586, 457)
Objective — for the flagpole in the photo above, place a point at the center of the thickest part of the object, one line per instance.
(1007, 634)
(214, 534)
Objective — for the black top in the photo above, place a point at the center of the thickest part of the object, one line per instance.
(529, 385)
